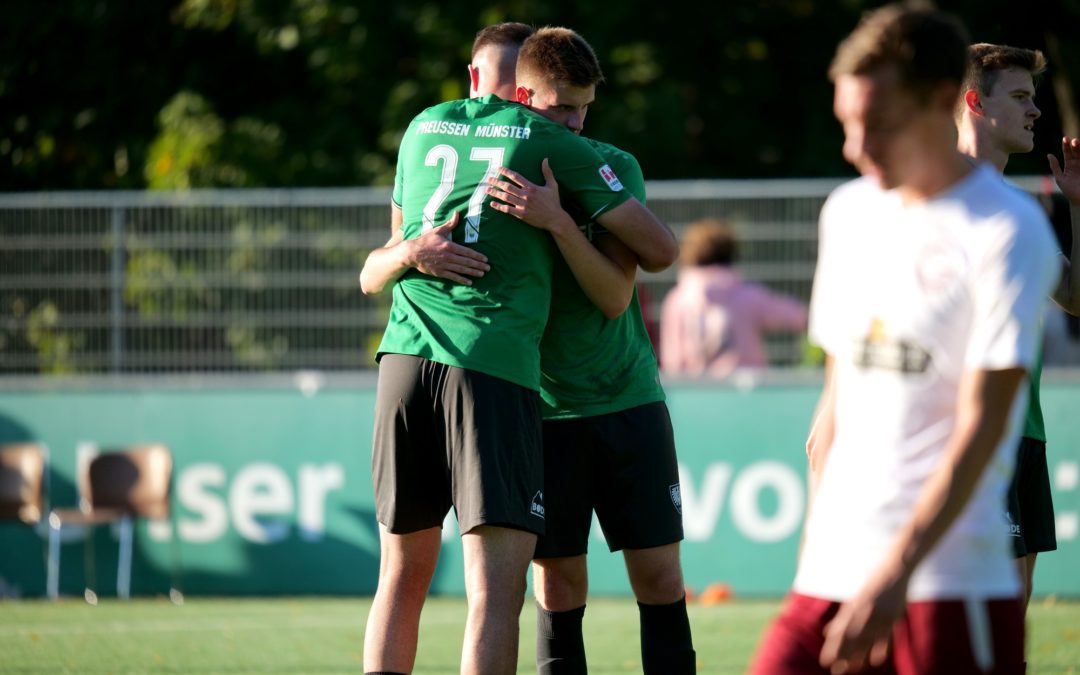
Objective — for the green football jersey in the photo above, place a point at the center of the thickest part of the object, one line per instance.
(589, 364)
(447, 155)
(1033, 422)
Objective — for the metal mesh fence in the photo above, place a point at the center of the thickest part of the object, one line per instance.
(266, 280)
(196, 282)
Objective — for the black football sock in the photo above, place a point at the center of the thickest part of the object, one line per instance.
(560, 647)
(666, 645)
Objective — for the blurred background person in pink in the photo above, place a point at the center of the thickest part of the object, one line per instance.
(713, 321)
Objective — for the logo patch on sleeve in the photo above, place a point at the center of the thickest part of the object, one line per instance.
(676, 497)
(537, 506)
(610, 178)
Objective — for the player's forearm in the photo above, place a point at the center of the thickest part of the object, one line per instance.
(822, 432)
(981, 422)
(671, 339)
(603, 282)
(641, 231)
(943, 498)
(384, 266)
(1067, 294)
(819, 442)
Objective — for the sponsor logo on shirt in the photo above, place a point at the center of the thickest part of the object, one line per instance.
(880, 352)
(537, 508)
(610, 178)
(676, 497)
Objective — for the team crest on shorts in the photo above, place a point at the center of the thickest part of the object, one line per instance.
(676, 497)
(537, 508)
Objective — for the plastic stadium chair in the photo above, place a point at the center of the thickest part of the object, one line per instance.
(24, 483)
(22, 478)
(118, 486)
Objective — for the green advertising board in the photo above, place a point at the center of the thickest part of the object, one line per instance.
(272, 487)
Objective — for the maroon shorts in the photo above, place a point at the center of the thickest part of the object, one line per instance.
(945, 637)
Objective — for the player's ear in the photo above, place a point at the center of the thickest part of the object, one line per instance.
(972, 102)
(523, 95)
(474, 80)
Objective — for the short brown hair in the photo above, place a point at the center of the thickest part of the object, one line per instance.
(926, 46)
(709, 241)
(559, 55)
(986, 61)
(506, 34)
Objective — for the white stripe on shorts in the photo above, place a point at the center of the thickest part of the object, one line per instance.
(979, 633)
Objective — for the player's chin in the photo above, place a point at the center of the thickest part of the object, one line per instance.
(1023, 142)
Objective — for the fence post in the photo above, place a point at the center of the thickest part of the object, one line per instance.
(116, 309)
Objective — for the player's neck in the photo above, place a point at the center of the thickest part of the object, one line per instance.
(993, 156)
(974, 142)
(936, 176)
(974, 145)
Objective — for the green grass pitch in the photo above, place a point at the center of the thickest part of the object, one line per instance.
(325, 635)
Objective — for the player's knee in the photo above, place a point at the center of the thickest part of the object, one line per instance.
(489, 589)
(561, 572)
(497, 599)
(560, 597)
(560, 584)
(658, 585)
(404, 590)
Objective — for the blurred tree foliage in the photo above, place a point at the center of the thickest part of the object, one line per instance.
(177, 94)
(197, 93)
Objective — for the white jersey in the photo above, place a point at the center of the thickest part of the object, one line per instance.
(906, 299)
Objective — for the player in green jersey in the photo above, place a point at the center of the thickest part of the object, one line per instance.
(996, 114)
(457, 411)
(608, 441)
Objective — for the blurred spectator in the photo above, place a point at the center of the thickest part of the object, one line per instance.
(713, 321)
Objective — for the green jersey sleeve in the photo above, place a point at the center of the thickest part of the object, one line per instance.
(583, 172)
(625, 166)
